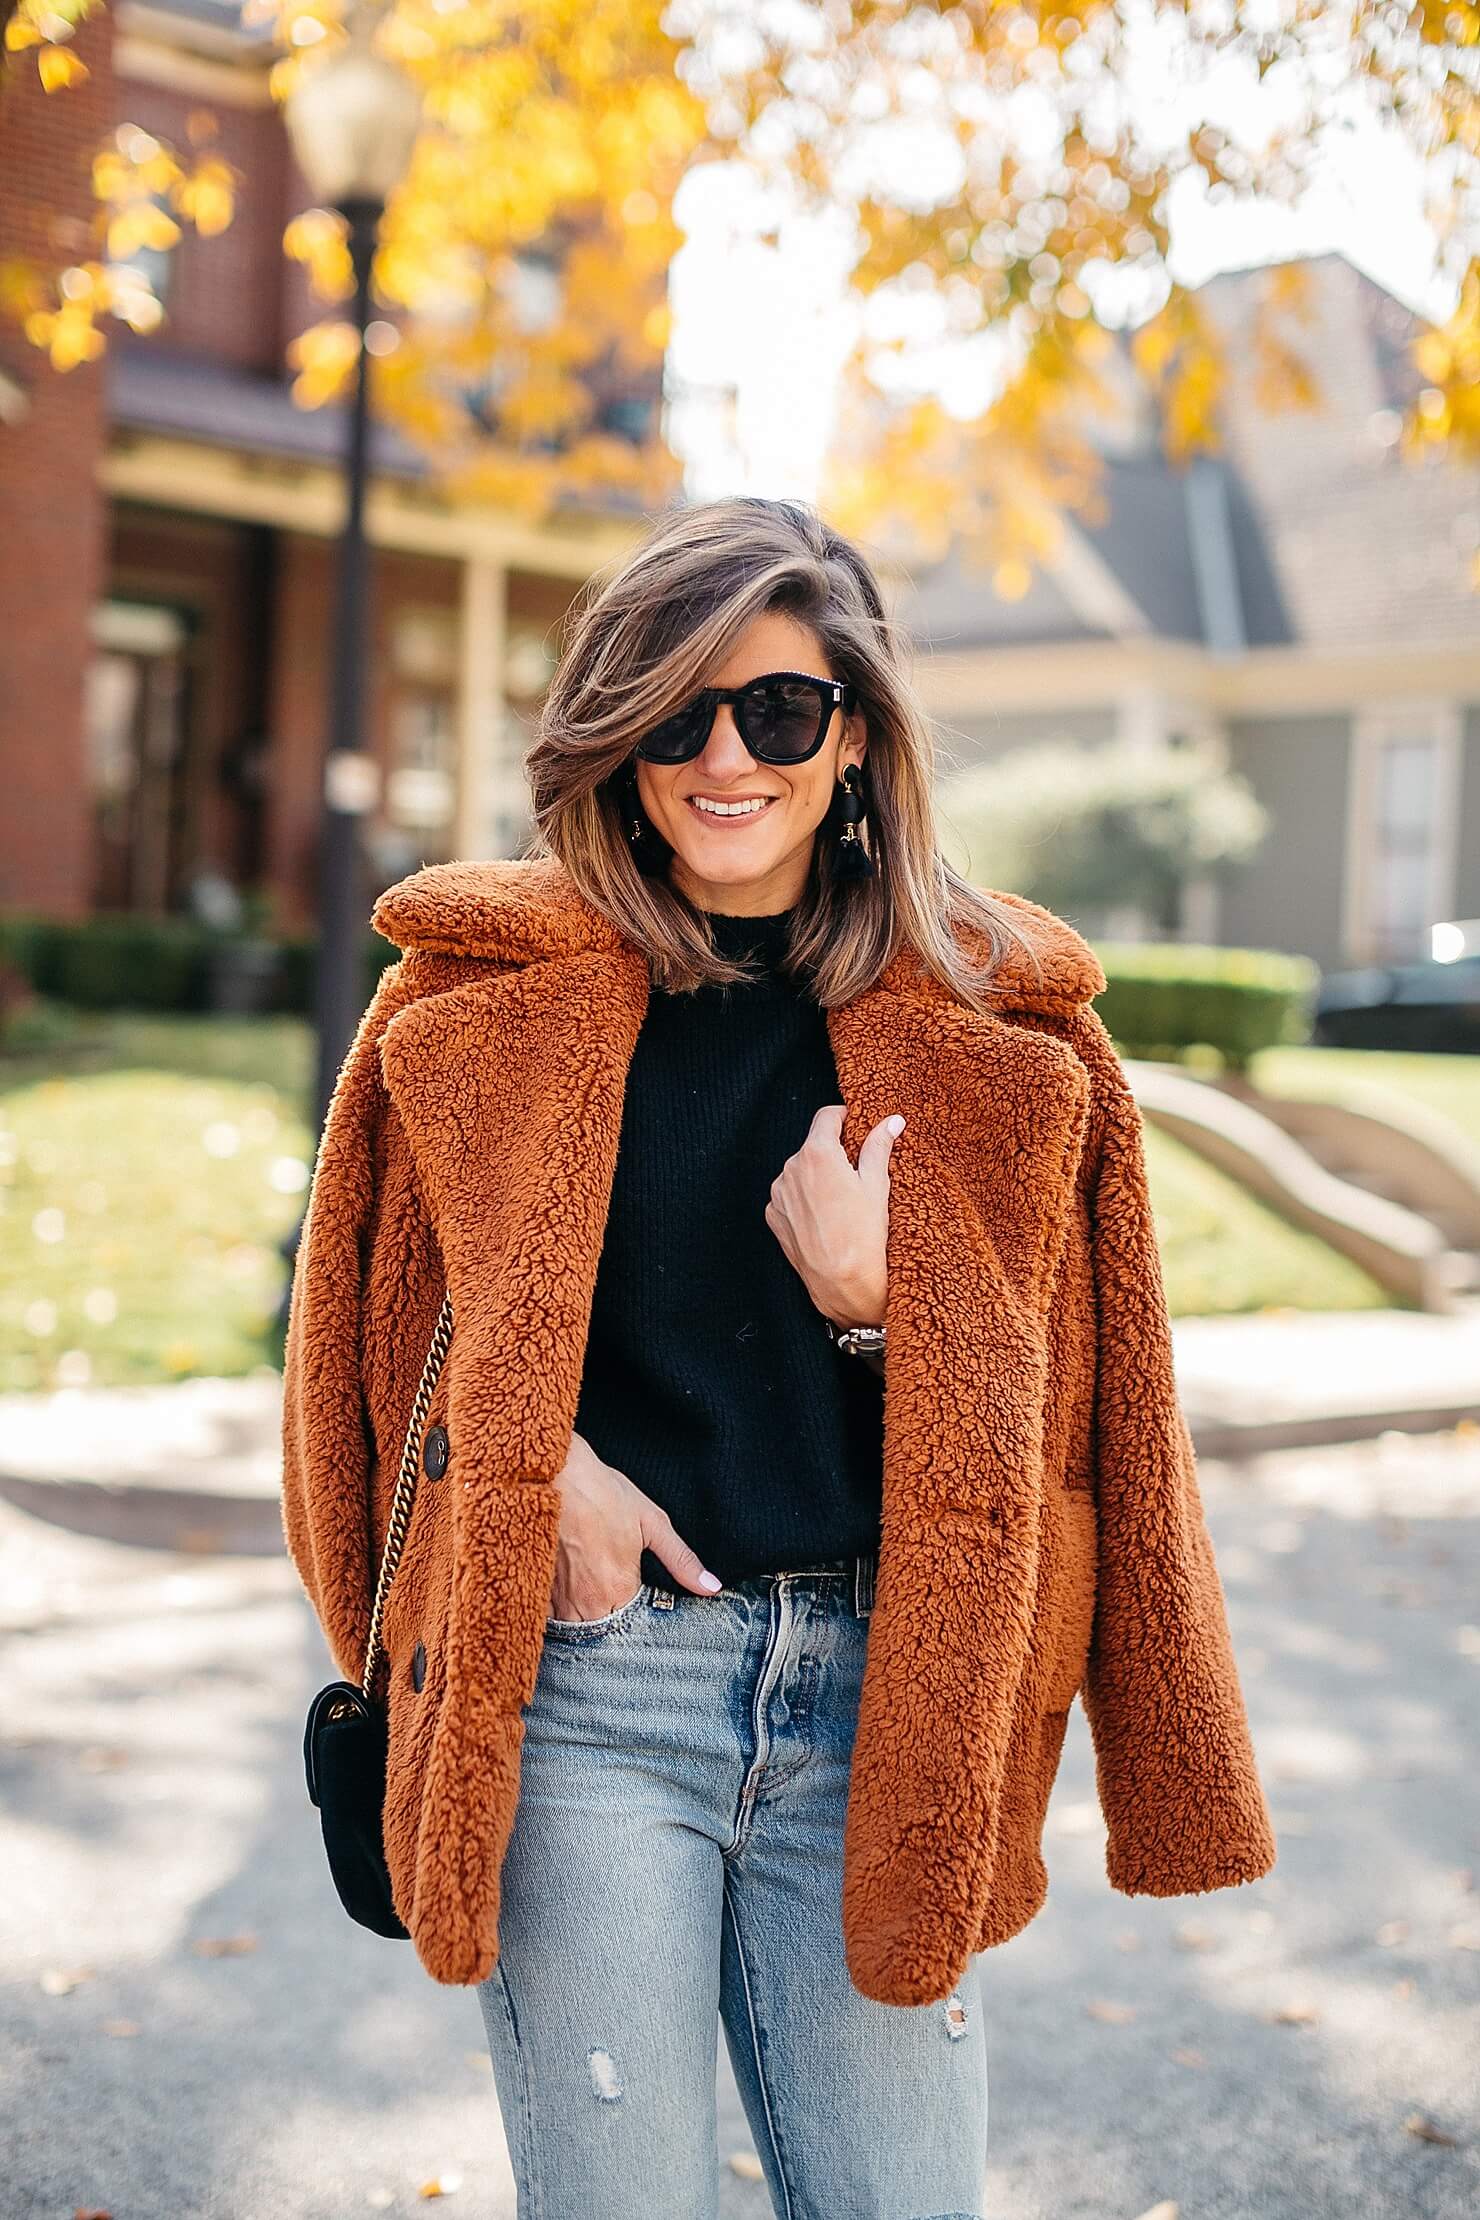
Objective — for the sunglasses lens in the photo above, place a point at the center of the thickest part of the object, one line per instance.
(779, 719)
(674, 739)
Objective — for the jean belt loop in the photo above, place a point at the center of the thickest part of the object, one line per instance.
(863, 1584)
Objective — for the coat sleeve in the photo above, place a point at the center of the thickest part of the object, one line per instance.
(1176, 1774)
(327, 1439)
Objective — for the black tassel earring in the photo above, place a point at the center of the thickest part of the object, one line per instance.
(851, 860)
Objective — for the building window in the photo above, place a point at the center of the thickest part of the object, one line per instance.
(1401, 876)
(421, 792)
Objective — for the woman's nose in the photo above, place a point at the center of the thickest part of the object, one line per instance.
(725, 754)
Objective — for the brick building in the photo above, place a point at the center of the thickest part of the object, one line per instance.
(167, 523)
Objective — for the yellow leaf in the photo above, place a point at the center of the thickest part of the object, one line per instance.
(207, 198)
(317, 238)
(75, 339)
(324, 357)
(156, 227)
(112, 176)
(57, 67)
(19, 32)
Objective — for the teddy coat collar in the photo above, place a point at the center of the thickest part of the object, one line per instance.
(502, 1043)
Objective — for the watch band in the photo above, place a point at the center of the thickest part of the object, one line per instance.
(856, 1341)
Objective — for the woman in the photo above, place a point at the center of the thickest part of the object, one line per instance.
(730, 1657)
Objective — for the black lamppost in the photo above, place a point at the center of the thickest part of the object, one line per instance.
(352, 121)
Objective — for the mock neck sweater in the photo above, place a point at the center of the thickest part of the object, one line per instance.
(709, 1377)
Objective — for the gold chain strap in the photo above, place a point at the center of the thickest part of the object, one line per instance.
(401, 1503)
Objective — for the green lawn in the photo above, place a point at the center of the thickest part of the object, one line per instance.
(151, 1166)
(1222, 1251)
(1446, 1086)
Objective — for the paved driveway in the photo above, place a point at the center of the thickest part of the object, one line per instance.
(190, 2027)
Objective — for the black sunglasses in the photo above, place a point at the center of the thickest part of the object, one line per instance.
(782, 718)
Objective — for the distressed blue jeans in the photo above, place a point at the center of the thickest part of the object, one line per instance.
(676, 1865)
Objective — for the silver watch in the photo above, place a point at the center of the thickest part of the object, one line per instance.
(856, 1341)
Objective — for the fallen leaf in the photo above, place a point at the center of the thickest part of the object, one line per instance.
(101, 1757)
(1295, 2015)
(90, 2212)
(1466, 1937)
(223, 1946)
(1404, 1988)
(1429, 2131)
(1164, 2211)
(1392, 1931)
(60, 1980)
(441, 2185)
(747, 2166)
(380, 2200)
(1189, 2057)
(120, 2027)
(1116, 2015)
(1189, 1936)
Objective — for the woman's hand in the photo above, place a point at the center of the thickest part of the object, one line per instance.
(605, 1523)
(833, 1221)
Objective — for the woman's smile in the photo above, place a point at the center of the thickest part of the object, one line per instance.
(742, 811)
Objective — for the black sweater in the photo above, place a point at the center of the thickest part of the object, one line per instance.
(709, 1376)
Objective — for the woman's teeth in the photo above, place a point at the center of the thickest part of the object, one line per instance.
(730, 809)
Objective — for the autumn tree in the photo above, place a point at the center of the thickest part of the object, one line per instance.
(1009, 172)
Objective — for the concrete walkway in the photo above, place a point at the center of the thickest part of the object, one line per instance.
(191, 2029)
(198, 1465)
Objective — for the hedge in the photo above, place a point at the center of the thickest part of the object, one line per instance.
(119, 961)
(1162, 997)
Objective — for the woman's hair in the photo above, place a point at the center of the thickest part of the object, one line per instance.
(640, 642)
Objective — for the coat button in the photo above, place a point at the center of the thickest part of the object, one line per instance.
(434, 1452)
(418, 1666)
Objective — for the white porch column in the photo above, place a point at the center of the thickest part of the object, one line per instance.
(485, 805)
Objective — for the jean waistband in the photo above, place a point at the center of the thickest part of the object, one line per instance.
(861, 1570)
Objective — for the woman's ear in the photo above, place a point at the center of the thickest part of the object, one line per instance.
(855, 746)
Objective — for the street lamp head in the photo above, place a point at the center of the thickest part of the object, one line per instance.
(353, 121)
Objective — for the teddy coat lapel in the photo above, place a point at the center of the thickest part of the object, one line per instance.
(510, 1089)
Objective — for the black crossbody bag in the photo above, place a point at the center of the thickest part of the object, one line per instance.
(344, 1742)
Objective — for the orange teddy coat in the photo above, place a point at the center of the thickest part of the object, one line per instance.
(1042, 1536)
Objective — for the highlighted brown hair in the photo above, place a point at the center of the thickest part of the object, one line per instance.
(640, 641)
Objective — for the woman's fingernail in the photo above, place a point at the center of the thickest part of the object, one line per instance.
(707, 1580)
(896, 1123)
